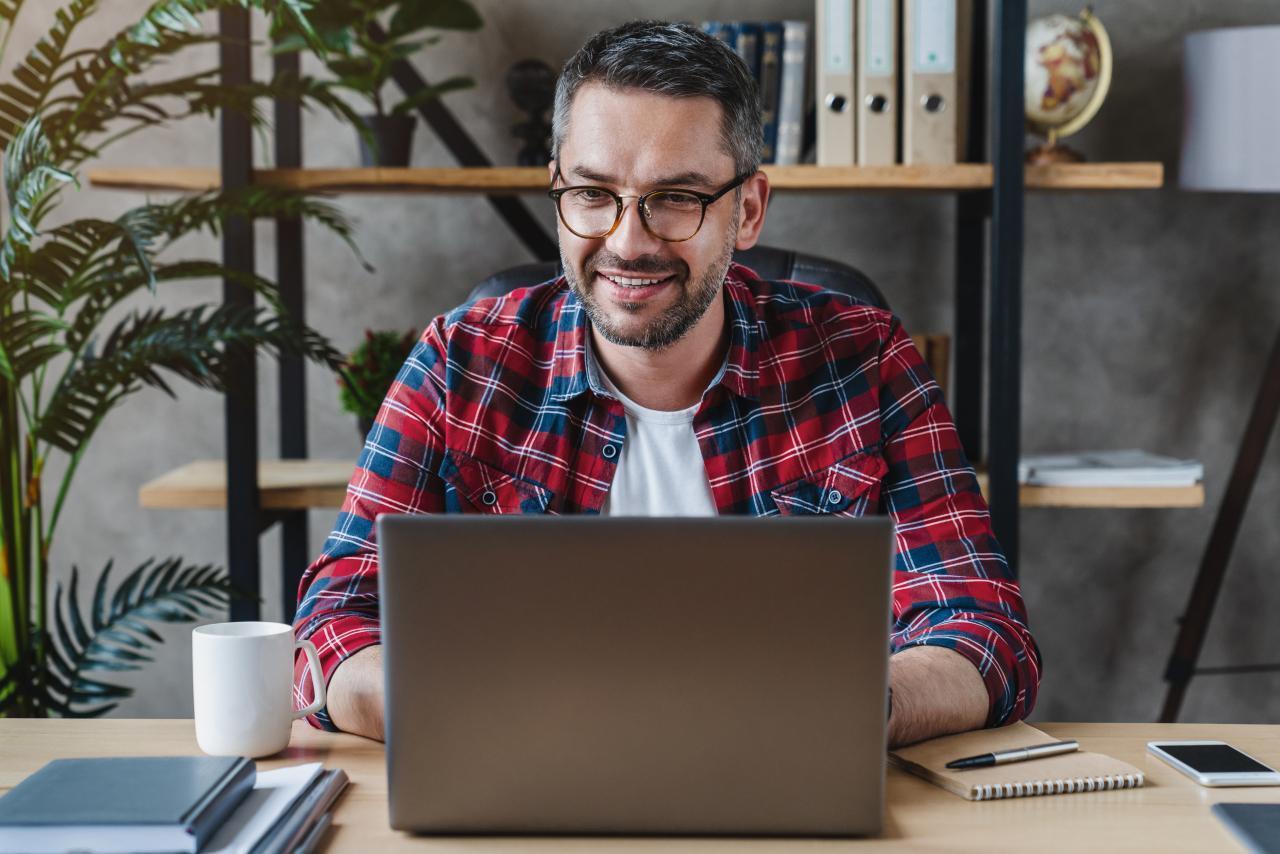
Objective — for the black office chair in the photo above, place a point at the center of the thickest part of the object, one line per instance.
(768, 263)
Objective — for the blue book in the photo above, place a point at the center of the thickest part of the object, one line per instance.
(720, 29)
(140, 804)
(744, 36)
(769, 79)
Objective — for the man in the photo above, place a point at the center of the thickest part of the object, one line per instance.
(656, 378)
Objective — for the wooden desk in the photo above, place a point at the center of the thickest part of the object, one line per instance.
(1170, 814)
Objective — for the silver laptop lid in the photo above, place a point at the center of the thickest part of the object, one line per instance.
(672, 676)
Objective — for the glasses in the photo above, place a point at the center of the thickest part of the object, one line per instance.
(671, 215)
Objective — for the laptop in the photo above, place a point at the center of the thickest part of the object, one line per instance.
(587, 675)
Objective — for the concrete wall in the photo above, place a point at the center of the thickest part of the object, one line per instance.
(1147, 317)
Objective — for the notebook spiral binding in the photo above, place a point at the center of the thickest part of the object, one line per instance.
(992, 792)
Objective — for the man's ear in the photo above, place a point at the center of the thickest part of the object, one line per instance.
(551, 172)
(755, 201)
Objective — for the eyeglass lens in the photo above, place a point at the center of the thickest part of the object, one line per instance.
(592, 212)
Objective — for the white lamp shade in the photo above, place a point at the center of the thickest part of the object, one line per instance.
(1231, 121)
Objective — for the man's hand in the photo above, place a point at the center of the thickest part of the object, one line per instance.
(936, 691)
(355, 694)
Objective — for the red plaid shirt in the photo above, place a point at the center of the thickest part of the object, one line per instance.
(824, 406)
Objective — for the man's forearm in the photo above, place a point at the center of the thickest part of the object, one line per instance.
(936, 691)
(355, 699)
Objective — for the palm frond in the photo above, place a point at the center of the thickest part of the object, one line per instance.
(209, 211)
(29, 171)
(67, 263)
(38, 75)
(105, 291)
(24, 342)
(115, 637)
(191, 344)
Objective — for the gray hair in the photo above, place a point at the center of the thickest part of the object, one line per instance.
(673, 59)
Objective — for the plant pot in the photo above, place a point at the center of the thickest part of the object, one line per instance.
(393, 138)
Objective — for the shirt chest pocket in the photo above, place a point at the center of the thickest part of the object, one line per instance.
(850, 487)
(480, 487)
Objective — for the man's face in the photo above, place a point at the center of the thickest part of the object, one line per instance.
(639, 290)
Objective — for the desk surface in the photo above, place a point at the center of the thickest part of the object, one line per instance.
(1170, 814)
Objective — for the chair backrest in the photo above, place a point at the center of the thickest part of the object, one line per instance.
(768, 262)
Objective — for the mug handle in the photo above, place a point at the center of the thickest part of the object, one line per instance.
(317, 679)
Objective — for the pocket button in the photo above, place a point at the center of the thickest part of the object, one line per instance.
(834, 497)
(489, 498)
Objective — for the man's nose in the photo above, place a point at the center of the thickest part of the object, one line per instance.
(631, 239)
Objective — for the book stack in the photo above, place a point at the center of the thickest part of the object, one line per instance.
(775, 52)
(1127, 468)
(168, 803)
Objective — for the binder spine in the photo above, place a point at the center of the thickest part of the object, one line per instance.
(834, 82)
(998, 791)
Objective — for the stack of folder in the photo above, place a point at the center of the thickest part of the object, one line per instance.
(169, 803)
(891, 81)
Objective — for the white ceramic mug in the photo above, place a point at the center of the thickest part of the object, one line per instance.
(242, 676)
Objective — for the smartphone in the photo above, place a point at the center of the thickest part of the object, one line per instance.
(1214, 763)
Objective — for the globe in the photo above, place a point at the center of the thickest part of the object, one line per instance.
(1068, 73)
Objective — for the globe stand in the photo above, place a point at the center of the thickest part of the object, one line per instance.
(1052, 151)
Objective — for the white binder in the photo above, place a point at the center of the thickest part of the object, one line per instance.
(877, 122)
(834, 79)
(935, 65)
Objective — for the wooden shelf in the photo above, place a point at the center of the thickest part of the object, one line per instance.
(963, 176)
(282, 485)
(296, 484)
(1111, 496)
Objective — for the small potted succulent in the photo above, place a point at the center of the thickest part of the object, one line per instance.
(363, 40)
(366, 375)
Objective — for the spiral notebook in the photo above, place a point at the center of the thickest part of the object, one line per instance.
(1054, 775)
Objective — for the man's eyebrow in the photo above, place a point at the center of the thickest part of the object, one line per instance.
(691, 178)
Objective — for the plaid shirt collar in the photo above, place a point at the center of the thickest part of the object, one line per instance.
(741, 374)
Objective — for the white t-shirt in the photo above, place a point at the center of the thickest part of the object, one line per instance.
(660, 470)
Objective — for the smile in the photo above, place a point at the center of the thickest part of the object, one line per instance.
(629, 282)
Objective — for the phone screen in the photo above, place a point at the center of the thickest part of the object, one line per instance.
(1214, 758)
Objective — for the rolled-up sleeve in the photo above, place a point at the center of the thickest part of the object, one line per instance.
(952, 584)
(397, 472)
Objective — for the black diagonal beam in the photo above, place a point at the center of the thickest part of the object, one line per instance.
(467, 153)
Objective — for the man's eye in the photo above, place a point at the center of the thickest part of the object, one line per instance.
(589, 196)
(674, 201)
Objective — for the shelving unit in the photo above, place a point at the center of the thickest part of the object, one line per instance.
(989, 190)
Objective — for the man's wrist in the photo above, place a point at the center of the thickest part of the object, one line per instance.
(355, 701)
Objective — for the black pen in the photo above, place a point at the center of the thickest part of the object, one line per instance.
(1020, 754)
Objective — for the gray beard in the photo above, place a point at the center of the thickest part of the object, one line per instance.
(675, 321)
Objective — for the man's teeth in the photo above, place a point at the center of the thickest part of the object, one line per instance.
(633, 283)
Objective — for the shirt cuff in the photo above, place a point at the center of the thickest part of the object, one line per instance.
(1009, 670)
(336, 640)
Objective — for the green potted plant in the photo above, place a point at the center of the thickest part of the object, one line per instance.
(367, 373)
(77, 338)
(362, 42)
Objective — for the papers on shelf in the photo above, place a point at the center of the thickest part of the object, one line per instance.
(1131, 468)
